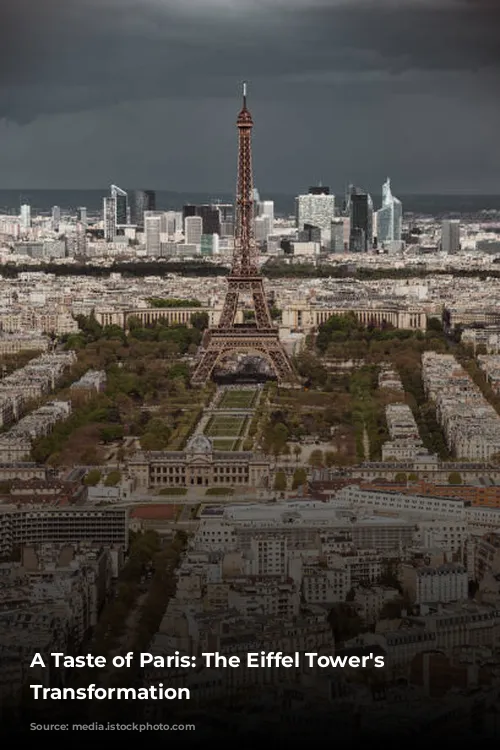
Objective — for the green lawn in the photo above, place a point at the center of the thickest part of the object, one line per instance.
(224, 445)
(244, 399)
(173, 491)
(220, 491)
(225, 426)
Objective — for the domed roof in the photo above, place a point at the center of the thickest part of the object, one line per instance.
(200, 444)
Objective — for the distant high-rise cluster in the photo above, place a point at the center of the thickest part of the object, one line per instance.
(354, 225)
(209, 214)
(121, 211)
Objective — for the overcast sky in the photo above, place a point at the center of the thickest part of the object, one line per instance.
(144, 93)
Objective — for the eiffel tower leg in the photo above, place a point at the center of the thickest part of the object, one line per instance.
(205, 366)
(281, 364)
(229, 310)
(262, 315)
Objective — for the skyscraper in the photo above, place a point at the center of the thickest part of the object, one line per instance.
(210, 217)
(319, 190)
(152, 231)
(226, 212)
(56, 218)
(109, 215)
(188, 210)
(121, 204)
(450, 236)
(337, 236)
(267, 210)
(317, 209)
(25, 216)
(80, 245)
(361, 217)
(193, 230)
(389, 217)
(81, 215)
(171, 222)
(142, 201)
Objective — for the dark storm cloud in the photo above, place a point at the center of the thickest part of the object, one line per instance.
(99, 91)
(65, 55)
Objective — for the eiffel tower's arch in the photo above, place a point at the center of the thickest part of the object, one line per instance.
(272, 354)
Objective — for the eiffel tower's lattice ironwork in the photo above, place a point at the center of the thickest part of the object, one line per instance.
(262, 337)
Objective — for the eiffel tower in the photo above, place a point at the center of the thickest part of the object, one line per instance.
(261, 338)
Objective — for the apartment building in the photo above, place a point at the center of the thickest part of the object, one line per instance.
(370, 601)
(61, 525)
(93, 380)
(466, 623)
(389, 379)
(231, 634)
(301, 525)
(49, 602)
(490, 365)
(272, 597)
(414, 505)
(470, 424)
(18, 342)
(328, 585)
(15, 445)
(38, 378)
(444, 583)
(487, 556)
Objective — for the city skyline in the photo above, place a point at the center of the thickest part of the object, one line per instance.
(228, 427)
(316, 68)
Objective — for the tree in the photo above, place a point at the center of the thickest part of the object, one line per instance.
(280, 435)
(454, 478)
(157, 435)
(112, 479)
(330, 459)
(400, 477)
(299, 478)
(344, 622)
(316, 458)
(92, 478)
(297, 451)
(110, 433)
(280, 483)
(200, 320)
(276, 450)
(393, 609)
(435, 325)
